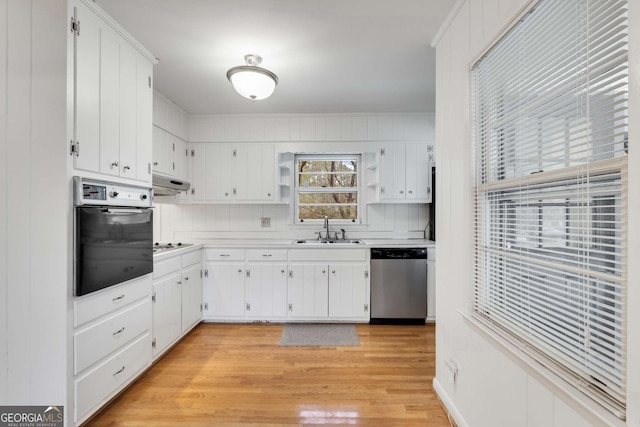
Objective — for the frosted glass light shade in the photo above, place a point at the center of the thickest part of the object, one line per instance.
(252, 82)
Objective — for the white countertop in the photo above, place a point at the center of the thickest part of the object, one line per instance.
(289, 244)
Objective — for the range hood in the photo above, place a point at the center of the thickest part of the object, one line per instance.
(167, 186)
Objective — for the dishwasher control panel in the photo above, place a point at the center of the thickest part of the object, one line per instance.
(399, 253)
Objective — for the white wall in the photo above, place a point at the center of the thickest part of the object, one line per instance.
(293, 133)
(34, 203)
(494, 385)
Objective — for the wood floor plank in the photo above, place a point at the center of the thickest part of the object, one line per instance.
(237, 375)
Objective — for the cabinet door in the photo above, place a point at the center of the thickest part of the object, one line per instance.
(348, 285)
(191, 296)
(393, 172)
(128, 110)
(180, 159)
(225, 290)
(418, 172)
(144, 117)
(266, 286)
(254, 170)
(308, 291)
(158, 139)
(87, 90)
(166, 311)
(211, 168)
(109, 102)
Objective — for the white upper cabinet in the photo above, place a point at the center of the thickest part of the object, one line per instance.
(169, 139)
(223, 172)
(112, 99)
(404, 173)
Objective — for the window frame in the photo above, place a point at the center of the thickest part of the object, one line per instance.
(511, 126)
(358, 158)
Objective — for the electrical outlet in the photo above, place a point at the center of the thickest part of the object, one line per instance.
(265, 222)
(452, 370)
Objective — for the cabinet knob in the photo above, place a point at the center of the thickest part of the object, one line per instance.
(268, 194)
(324, 271)
(410, 192)
(126, 168)
(155, 163)
(401, 192)
(114, 164)
(186, 278)
(333, 272)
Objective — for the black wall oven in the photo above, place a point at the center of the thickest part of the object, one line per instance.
(113, 234)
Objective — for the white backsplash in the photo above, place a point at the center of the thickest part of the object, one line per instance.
(187, 223)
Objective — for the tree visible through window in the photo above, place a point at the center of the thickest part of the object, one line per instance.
(327, 185)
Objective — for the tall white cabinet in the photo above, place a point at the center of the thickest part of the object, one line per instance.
(112, 101)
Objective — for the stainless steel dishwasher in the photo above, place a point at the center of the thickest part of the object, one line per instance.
(398, 286)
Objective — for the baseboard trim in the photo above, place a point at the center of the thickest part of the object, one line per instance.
(452, 412)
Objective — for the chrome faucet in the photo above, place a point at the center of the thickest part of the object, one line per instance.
(326, 226)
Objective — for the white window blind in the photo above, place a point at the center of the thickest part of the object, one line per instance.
(550, 142)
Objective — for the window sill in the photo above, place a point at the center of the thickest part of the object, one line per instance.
(535, 368)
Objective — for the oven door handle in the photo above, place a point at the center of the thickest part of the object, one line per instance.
(126, 211)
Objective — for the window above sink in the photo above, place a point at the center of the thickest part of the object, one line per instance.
(327, 185)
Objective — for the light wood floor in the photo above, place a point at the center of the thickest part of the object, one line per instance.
(237, 375)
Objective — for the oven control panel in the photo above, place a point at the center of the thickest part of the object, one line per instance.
(90, 192)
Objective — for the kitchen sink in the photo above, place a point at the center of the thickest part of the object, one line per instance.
(329, 242)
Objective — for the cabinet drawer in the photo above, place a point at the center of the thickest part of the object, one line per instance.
(328, 255)
(108, 378)
(225, 254)
(107, 336)
(191, 258)
(93, 306)
(266, 254)
(162, 268)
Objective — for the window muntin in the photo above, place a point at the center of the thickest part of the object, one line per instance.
(327, 185)
(550, 137)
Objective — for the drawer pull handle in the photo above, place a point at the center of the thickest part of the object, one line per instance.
(116, 299)
(266, 255)
(225, 255)
(119, 331)
(118, 371)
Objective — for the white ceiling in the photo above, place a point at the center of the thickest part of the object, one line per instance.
(331, 56)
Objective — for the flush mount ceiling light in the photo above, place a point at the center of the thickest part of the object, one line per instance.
(251, 81)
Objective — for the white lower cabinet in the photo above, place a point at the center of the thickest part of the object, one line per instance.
(224, 290)
(329, 291)
(177, 298)
(308, 291)
(266, 290)
(286, 285)
(246, 284)
(348, 291)
(111, 342)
